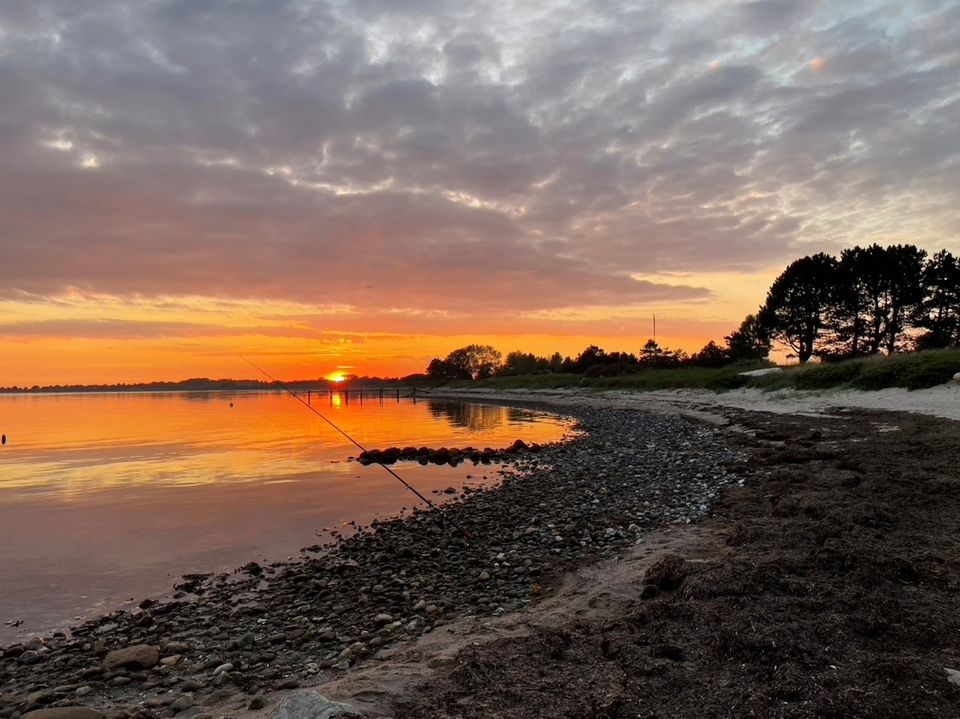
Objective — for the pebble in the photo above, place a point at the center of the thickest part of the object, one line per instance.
(29, 657)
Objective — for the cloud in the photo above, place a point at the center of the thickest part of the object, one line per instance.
(469, 159)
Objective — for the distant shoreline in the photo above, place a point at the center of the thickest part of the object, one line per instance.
(205, 385)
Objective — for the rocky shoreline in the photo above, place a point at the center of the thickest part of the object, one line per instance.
(225, 643)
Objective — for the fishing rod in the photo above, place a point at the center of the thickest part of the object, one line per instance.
(434, 507)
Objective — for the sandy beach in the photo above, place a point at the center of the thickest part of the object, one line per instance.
(683, 557)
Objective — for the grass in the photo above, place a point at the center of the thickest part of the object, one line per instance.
(913, 370)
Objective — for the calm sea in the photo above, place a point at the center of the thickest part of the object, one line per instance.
(105, 498)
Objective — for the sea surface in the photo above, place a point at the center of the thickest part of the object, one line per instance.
(109, 498)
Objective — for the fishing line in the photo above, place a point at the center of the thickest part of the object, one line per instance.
(330, 422)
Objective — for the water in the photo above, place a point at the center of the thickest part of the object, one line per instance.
(109, 497)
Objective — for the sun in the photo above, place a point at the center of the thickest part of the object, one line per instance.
(336, 377)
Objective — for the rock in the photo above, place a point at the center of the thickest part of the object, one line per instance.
(761, 372)
(304, 704)
(289, 684)
(29, 657)
(64, 713)
(956, 377)
(183, 702)
(257, 702)
(141, 656)
(953, 676)
(354, 651)
(228, 667)
(382, 619)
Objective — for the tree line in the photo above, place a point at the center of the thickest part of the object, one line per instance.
(747, 343)
(866, 301)
(869, 300)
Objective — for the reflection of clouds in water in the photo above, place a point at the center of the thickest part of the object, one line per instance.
(475, 417)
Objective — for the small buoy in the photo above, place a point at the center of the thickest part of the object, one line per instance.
(3, 440)
(231, 404)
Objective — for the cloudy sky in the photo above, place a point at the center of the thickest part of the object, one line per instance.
(365, 184)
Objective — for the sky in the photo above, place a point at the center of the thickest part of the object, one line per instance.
(358, 186)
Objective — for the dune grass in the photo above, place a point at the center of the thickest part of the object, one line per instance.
(913, 370)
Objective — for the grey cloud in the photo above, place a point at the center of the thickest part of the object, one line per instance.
(473, 158)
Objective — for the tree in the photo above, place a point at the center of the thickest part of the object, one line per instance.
(520, 363)
(748, 342)
(796, 302)
(591, 356)
(904, 290)
(441, 369)
(477, 361)
(556, 362)
(712, 355)
(654, 356)
(939, 311)
(854, 319)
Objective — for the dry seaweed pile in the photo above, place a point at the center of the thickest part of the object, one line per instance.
(836, 595)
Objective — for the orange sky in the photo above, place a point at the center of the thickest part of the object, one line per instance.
(118, 340)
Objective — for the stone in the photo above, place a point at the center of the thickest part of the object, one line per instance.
(183, 702)
(64, 713)
(141, 656)
(382, 619)
(956, 377)
(953, 676)
(228, 667)
(257, 702)
(29, 657)
(761, 372)
(305, 704)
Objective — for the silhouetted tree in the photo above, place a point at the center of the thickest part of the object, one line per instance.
(441, 369)
(653, 356)
(556, 362)
(478, 361)
(939, 312)
(519, 363)
(796, 303)
(904, 294)
(711, 355)
(592, 355)
(748, 342)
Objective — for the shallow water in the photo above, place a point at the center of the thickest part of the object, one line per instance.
(109, 497)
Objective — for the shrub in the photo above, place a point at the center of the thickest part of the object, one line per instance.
(827, 375)
(932, 371)
(880, 375)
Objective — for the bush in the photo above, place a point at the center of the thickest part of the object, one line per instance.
(827, 375)
(727, 381)
(935, 370)
(880, 375)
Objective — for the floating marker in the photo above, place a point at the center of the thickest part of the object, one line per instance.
(3, 440)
